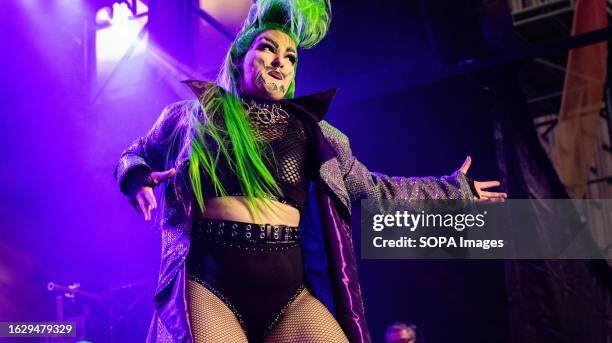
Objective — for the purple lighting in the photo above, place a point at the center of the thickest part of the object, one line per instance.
(119, 32)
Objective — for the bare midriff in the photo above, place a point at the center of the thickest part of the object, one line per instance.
(235, 208)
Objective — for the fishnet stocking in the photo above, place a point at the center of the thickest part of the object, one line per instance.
(211, 320)
(306, 320)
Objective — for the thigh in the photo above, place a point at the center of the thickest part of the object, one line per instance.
(306, 319)
(211, 320)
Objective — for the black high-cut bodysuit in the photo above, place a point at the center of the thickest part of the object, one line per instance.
(258, 280)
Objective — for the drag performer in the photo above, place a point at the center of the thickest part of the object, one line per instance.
(257, 193)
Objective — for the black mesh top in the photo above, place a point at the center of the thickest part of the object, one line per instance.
(286, 138)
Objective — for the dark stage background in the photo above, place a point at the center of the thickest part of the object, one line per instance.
(427, 82)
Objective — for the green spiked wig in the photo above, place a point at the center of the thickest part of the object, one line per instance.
(305, 21)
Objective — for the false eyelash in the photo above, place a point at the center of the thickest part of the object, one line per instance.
(264, 46)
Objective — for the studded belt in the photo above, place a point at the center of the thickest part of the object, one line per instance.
(240, 231)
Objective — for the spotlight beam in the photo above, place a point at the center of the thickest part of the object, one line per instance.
(123, 59)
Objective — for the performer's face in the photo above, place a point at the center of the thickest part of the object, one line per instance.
(268, 65)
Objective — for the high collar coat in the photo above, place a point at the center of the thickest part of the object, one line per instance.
(329, 258)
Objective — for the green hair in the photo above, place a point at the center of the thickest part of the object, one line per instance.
(306, 22)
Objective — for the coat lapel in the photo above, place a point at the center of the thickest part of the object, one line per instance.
(315, 107)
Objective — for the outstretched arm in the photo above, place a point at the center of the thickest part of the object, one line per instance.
(136, 171)
(363, 184)
(148, 153)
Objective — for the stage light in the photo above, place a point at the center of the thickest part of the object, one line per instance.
(121, 13)
(113, 42)
(104, 16)
(119, 32)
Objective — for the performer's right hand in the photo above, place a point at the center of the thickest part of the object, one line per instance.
(145, 199)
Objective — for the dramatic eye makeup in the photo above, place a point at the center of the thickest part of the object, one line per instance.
(264, 46)
(270, 44)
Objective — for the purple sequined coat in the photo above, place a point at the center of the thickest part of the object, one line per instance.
(329, 257)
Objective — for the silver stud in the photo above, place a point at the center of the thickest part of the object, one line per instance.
(234, 226)
(248, 227)
(276, 236)
(248, 235)
(276, 229)
(220, 232)
(234, 233)
(262, 235)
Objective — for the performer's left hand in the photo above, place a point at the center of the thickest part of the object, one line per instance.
(484, 196)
